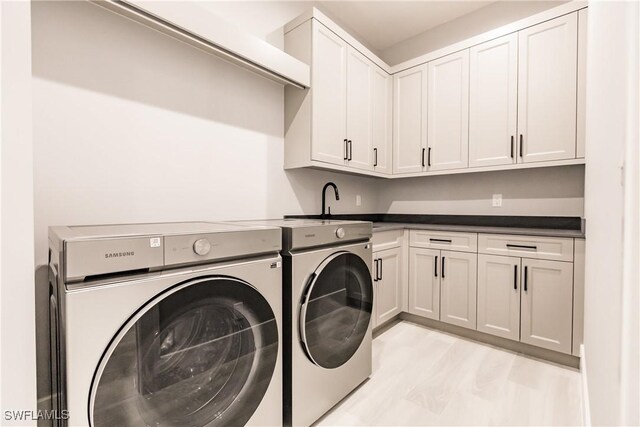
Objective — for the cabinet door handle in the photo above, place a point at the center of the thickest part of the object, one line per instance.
(533, 248)
(443, 267)
(429, 157)
(350, 145)
(346, 149)
(525, 278)
(423, 150)
(435, 266)
(521, 145)
(380, 268)
(375, 157)
(375, 267)
(515, 277)
(440, 240)
(512, 145)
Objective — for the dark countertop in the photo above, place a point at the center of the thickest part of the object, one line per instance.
(571, 227)
(547, 232)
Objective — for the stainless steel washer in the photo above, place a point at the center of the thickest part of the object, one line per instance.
(328, 299)
(166, 324)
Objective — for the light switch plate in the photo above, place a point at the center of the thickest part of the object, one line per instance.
(497, 200)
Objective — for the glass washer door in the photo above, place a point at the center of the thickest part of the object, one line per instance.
(336, 310)
(200, 354)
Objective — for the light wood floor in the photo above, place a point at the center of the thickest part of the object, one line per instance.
(425, 377)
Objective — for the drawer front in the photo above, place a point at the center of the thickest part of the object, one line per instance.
(463, 242)
(387, 239)
(551, 248)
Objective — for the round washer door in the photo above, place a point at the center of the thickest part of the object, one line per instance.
(200, 354)
(336, 310)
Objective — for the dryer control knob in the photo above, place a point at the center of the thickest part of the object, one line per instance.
(202, 247)
(340, 233)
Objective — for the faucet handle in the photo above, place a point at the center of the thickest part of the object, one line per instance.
(329, 210)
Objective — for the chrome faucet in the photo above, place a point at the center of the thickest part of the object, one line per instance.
(324, 196)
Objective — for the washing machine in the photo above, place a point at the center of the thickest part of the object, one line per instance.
(328, 300)
(173, 324)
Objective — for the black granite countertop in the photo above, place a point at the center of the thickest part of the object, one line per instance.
(572, 227)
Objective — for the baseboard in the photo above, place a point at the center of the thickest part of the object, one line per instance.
(503, 343)
(586, 412)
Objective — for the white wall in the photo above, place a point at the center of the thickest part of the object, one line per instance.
(17, 339)
(133, 126)
(538, 192)
(487, 18)
(611, 298)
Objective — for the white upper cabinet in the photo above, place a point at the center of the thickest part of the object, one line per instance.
(410, 124)
(382, 98)
(328, 83)
(583, 16)
(493, 102)
(359, 117)
(344, 121)
(547, 90)
(448, 112)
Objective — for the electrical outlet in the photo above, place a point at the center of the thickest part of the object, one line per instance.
(497, 200)
(358, 200)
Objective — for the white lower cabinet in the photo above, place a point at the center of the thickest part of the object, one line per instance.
(424, 283)
(527, 300)
(387, 282)
(442, 286)
(499, 296)
(546, 304)
(458, 288)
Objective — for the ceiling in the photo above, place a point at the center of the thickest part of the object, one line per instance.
(385, 23)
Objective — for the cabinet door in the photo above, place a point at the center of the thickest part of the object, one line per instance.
(374, 279)
(583, 16)
(493, 101)
(329, 105)
(546, 304)
(381, 117)
(359, 118)
(499, 296)
(424, 283)
(547, 90)
(409, 123)
(448, 112)
(458, 288)
(388, 287)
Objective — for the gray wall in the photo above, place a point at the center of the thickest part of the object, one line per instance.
(546, 191)
(485, 19)
(133, 126)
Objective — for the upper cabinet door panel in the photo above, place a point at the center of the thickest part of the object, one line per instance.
(328, 82)
(448, 112)
(583, 15)
(493, 102)
(409, 124)
(359, 119)
(547, 90)
(381, 116)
